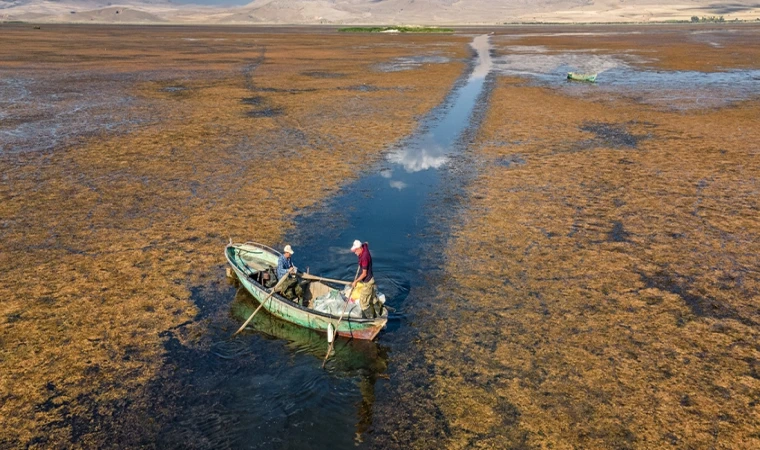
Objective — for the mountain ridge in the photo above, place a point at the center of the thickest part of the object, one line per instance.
(353, 12)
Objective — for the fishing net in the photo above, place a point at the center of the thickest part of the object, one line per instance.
(333, 303)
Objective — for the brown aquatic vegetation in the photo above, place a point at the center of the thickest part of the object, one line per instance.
(226, 133)
(605, 275)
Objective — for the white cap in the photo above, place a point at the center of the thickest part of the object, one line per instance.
(357, 244)
(288, 250)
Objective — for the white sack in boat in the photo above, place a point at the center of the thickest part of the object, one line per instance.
(333, 303)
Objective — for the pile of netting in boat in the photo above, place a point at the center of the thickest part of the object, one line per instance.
(334, 301)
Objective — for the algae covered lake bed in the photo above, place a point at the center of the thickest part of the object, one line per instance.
(590, 275)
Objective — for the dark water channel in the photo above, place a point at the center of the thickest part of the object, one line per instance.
(266, 388)
(386, 207)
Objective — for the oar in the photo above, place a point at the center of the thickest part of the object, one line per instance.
(262, 304)
(348, 300)
(307, 276)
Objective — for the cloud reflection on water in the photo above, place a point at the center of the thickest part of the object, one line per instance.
(398, 184)
(417, 158)
(431, 150)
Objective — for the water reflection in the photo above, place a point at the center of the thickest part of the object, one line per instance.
(364, 359)
(265, 389)
(349, 356)
(430, 150)
(415, 159)
(386, 208)
(398, 185)
(624, 75)
(482, 45)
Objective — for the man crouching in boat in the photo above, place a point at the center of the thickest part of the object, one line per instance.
(365, 282)
(293, 287)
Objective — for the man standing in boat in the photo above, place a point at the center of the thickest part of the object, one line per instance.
(292, 287)
(365, 282)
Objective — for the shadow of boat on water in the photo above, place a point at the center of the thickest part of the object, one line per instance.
(349, 355)
(267, 386)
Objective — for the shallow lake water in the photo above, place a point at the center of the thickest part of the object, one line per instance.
(266, 389)
(624, 74)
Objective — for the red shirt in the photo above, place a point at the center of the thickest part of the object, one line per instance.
(365, 262)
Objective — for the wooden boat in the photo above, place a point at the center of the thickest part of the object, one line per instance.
(590, 77)
(250, 258)
(353, 354)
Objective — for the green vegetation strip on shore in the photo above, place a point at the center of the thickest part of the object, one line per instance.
(396, 29)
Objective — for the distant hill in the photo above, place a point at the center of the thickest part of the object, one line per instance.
(429, 12)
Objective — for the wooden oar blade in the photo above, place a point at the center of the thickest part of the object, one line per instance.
(308, 276)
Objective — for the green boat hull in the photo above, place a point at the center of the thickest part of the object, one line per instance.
(591, 78)
(351, 355)
(246, 259)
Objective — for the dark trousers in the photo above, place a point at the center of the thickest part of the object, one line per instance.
(293, 287)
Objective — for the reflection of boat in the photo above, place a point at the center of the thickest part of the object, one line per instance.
(349, 355)
(248, 259)
(590, 77)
